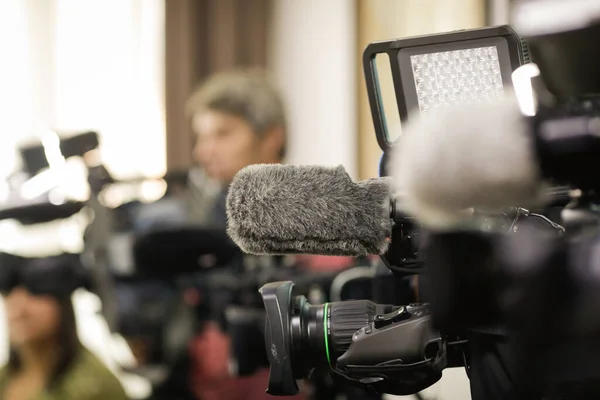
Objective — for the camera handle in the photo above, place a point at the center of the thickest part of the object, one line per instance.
(398, 353)
(338, 283)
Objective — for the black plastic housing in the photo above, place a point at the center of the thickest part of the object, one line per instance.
(38, 212)
(516, 54)
(569, 61)
(34, 156)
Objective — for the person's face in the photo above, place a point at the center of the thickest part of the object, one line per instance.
(31, 318)
(225, 144)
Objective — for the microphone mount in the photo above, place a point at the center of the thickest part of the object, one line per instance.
(397, 215)
(403, 256)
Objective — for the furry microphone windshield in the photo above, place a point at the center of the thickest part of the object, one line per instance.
(455, 158)
(288, 209)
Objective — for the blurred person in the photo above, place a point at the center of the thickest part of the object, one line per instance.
(47, 360)
(238, 118)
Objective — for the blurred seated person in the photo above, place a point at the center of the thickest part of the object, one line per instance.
(239, 120)
(46, 359)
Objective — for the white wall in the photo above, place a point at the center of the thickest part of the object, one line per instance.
(109, 77)
(68, 71)
(314, 61)
(15, 97)
(500, 12)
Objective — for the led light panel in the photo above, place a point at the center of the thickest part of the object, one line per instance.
(457, 77)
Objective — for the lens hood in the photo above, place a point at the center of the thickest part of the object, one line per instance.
(277, 298)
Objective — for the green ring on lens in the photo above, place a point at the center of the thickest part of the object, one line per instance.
(326, 334)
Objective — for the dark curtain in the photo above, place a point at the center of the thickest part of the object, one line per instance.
(203, 37)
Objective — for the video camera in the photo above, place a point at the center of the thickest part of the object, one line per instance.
(44, 204)
(522, 276)
(388, 348)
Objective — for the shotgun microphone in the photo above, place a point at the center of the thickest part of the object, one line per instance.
(288, 209)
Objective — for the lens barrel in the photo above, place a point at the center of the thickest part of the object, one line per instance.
(321, 333)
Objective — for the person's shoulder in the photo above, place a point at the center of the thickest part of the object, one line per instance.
(91, 379)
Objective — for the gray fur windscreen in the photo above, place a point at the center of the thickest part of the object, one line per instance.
(289, 209)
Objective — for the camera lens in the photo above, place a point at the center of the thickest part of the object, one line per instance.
(321, 333)
(301, 337)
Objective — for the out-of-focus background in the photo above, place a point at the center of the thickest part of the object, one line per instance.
(126, 68)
